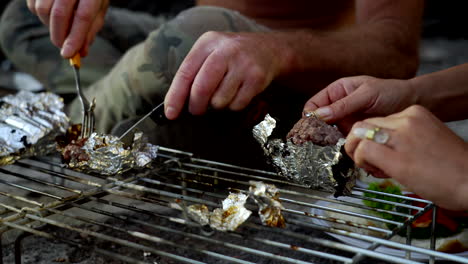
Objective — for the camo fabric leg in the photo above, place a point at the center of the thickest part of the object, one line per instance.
(26, 42)
(142, 77)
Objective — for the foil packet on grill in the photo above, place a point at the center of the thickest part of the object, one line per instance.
(29, 123)
(106, 154)
(269, 206)
(233, 212)
(322, 167)
(228, 218)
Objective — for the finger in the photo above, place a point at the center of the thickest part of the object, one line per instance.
(244, 96)
(83, 19)
(378, 156)
(31, 6)
(180, 88)
(341, 99)
(227, 90)
(206, 82)
(61, 18)
(95, 28)
(375, 172)
(43, 9)
(322, 98)
(365, 131)
(392, 122)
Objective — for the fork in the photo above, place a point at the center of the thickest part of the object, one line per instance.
(87, 126)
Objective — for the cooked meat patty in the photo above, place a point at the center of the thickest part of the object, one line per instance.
(315, 130)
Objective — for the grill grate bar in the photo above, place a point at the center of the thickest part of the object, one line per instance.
(337, 245)
(52, 237)
(182, 180)
(58, 174)
(31, 179)
(20, 198)
(372, 239)
(241, 174)
(265, 241)
(143, 235)
(165, 193)
(111, 239)
(24, 188)
(386, 242)
(388, 202)
(346, 212)
(301, 213)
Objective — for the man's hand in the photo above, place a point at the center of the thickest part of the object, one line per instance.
(348, 100)
(223, 70)
(421, 153)
(73, 24)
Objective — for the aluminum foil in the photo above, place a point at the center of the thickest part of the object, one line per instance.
(318, 167)
(269, 207)
(199, 213)
(232, 215)
(29, 123)
(107, 155)
(228, 218)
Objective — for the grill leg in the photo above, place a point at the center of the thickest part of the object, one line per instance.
(18, 247)
(1, 246)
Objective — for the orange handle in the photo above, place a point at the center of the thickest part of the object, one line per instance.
(75, 61)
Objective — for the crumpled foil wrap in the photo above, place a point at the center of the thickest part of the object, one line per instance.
(199, 213)
(29, 123)
(228, 218)
(318, 167)
(269, 207)
(107, 155)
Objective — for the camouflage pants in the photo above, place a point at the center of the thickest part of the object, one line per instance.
(129, 69)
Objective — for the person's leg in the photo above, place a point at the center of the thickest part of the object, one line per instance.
(26, 42)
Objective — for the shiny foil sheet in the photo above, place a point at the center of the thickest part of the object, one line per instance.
(269, 206)
(29, 123)
(107, 155)
(318, 167)
(228, 218)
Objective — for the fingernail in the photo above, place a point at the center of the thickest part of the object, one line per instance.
(360, 132)
(170, 112)
(66, 51)
(324, 113)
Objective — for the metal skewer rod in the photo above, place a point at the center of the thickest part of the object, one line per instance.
(141, 120)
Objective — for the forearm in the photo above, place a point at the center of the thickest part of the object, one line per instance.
(461, 194)
(444, 93)
(319, 58)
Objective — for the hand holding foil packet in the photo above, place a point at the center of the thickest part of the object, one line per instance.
(311, 156)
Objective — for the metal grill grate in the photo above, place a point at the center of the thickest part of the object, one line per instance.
(140, 217)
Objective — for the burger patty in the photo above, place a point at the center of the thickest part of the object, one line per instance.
(315, 130)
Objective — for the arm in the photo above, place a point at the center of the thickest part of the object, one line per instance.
(227, 70)
(383, 43)
(444, 93)
(348, 100)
